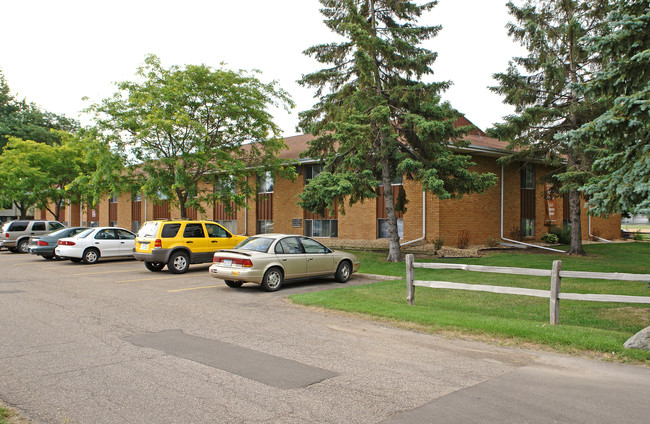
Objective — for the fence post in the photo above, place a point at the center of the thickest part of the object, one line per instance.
(410, 288)
(555, 292)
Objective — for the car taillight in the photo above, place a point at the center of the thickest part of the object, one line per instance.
(157, 243)
(245, 263)
(66, 243)
(7, 235)
(41, 243)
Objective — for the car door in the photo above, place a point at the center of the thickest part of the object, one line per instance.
(195, 240)
(127, 242)
(320, 260)
(38, 228)
(291, 256)
(107, 242)
(219, 237)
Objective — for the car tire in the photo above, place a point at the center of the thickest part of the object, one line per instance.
(343, 272)
(272, 280)
(23, 246)
(154, 266)
(178, 263)
(48, 257)
(234, 284)
(91, 256)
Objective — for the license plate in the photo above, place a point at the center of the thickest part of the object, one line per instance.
(144, 246)
(235, 273)
(226, 262)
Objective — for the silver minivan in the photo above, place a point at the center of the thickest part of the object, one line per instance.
(15, 235)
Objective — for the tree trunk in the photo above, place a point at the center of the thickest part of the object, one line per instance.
(182, 199)
(394, 254)
(576, 225)
(22, 208)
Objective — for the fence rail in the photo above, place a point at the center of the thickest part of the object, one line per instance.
(554, 294)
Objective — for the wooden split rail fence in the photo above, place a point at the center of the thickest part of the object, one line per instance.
(554, 294)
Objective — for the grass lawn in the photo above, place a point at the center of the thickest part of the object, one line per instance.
(596, 327)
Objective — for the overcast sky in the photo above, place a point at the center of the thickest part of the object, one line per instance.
(53, 53)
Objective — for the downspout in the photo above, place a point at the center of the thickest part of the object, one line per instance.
(145, 209)
(424, 220)
(246, 218)
(596, 237)
(516, 241)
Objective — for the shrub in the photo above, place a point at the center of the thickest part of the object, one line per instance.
(550, 238)
(463, 239)
(563, 234)
(492, 242)
(438, 242)
(638, 236)
(515, 233)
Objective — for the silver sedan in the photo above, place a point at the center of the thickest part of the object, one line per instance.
(269, 259)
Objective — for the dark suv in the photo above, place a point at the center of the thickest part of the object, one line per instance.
(15, 235)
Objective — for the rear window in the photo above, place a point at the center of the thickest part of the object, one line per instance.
(85, 233)
(55, 226)
(149, 229)
(258, 244)
(18, 226)
(170, 230)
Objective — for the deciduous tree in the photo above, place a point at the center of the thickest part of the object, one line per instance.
(181, 126)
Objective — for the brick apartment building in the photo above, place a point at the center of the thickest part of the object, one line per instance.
(525, 210)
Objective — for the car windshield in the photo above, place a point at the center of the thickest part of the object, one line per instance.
(149, 229)
(258, 244)
(85, 233)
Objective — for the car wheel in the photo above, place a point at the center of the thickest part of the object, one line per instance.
(91, 256)
(343, 272)
(178, 263)
(75, 259)
(272, 280)
(154, 266)
(23, 246)
(234, 284)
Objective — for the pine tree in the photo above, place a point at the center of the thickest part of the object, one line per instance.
(619, 139)
(378, 120)
(547, 102)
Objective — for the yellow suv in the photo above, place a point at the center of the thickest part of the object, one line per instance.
(178, 244)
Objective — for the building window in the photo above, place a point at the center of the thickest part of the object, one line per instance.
(528, 176)
(322, 228)
(161, 195)
(113, 199)
(136, 197)
(382, 228)
(265, 183)
(230, 225)
(264, 226)
(135, 226)
(112, 224)
(527, 179)
(311, 171)
(528, 227)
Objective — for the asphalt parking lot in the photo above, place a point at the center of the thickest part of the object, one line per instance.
(113, 342)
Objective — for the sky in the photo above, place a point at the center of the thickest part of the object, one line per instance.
(54, 53)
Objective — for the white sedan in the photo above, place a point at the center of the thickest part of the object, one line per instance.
(94, 243)
(269, 259)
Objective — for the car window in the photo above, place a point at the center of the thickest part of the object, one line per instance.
(125, 235)
(258, 244)
(215, 230)
(289, 245)
(55, 226)
(73, 232)
(18, 226)
(38, 226)
(193, 231)
(105, 235)
(150, 229)
(169, 230)
(65, 232)
(312, 246)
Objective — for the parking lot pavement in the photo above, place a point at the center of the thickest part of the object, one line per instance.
(114, 342)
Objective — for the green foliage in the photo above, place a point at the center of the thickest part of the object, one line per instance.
(20, 119)
(376, 119)
(542, 88)
(438, 242)
(492, 242)
(619, 139)
(550, 238)
(183, 126)
(563, 234)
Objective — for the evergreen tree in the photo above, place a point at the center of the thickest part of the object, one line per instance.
(378, 119)
(619, 139)
(546, 101)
